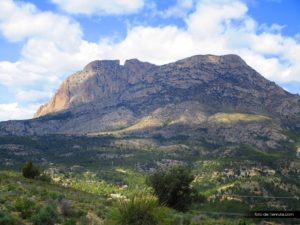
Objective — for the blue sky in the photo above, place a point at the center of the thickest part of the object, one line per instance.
(42, 42)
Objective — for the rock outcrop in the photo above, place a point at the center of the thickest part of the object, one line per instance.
(213, 98)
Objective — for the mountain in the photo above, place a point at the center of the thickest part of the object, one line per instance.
(203, 98)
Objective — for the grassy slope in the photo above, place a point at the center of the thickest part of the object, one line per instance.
(236, 117)
(14, 187)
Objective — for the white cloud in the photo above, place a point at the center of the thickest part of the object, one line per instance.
(180, 9)
(13, 111)
(53, 47)
(32, 95)
(213, 19)
(215, 27)
(100, 7)
(24, 20)
(49, 40)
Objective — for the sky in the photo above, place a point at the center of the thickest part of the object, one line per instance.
(43, 42)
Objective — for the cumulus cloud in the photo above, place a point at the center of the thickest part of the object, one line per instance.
(214, 19)
(53, 45)
(53, 48)
(52, 52)
(100, 7)
(19, 21)
(32, 95)
(49, 40)
(180, 9)
(13, 111)
(215, 27)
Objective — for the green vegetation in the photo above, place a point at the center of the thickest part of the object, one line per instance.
(173, 187)
(27, 201)
(25, 207)
(30, 171)
(92, 180)
(6, 219)
(47, 215)
(138, 210)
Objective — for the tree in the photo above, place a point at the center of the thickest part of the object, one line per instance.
(30, 170)
(173, 187)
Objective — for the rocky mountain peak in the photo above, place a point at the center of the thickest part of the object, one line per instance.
(206, 97)
(232, 60)
(219, 83)
(130, 62)
(101, 65)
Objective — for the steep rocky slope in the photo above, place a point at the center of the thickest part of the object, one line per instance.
(207, 98)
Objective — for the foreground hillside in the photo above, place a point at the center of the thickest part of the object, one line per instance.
(91, 172)
(23, 199)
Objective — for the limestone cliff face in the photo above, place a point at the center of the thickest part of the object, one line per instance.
(205, 97)
(59, 101)
(226, 82)
(98, 80)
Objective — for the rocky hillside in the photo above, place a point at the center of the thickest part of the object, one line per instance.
(204, 98)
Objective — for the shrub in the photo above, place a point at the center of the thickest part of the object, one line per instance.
(197, 197)
(66, 207)
(30, 171)
(46, 216)
(70, 222)
(26, 207)
(6, 219)
(94, 219)
(173, 187)
(44, 177)
(139, 210)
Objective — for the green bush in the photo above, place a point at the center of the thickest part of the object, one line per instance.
(173, 187)
(197, 197)
(30, 171)
(139, 210)
(47, 215)
(6, 219)
(26, 207)
(70, 222)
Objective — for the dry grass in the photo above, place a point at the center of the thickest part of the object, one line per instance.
(147, 122)
(144, 123)
(237, 117)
